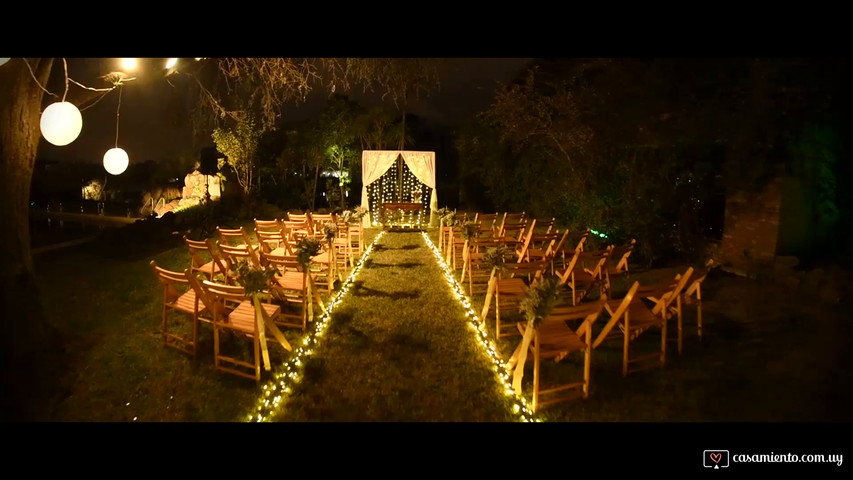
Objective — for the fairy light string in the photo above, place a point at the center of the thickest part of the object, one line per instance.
(520, 405)
(275, 391)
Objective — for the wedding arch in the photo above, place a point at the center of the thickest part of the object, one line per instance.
(375, 164)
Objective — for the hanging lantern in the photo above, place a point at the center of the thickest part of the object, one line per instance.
(115, 161)
(61, 123)
(4, 60)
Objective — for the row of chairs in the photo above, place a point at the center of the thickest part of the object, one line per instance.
(579, 272)
(207, 291)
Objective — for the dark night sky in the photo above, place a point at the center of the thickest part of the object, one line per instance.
(148, 130)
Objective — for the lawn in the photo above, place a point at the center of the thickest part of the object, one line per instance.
(398, 349)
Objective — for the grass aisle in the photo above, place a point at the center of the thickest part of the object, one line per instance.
(398, 348)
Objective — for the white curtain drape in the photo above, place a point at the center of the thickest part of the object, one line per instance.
(374, 163)
(422, 165)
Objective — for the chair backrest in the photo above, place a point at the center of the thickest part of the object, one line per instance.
(268, 237)
(622, 253)
(224, 297)
(553, 249)
(595, 261)
(514, 229)
(232, 236)
(304, 219)
(533, 270)
(287, 263)
(589, 312)
(234, 255)
(169, 278)
(321, 218)
(699, 277)
(665, 292)
(581, 240)
(200, 291)
(522, 252)
(196, 247)
(267, 225)
(617, 315)
(570, 267)
(545, 225)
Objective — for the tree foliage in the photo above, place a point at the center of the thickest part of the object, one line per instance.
(639, 147)
(240, 145)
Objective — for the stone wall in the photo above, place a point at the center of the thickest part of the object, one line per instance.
(751, 228)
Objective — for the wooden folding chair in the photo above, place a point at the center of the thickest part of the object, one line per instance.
(234, 312)
(296, 288)
(486, 224)
(235, 237)
(555, 339)
(583, 272)
(524, 243)
(692, 295)
(233, 256)
(199, 264)
(633, 316)
(618, 265)
(273, 242)
(356, 236)
(179, 296)
(508, 289)
(479, 276)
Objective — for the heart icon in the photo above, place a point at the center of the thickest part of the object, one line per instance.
(716, 457)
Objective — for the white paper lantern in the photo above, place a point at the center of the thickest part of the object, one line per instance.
(115, 161)
(4, 60)
(61, 123)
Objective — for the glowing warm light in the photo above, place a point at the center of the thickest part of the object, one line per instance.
(171, 62)
(61, 123)
(4, 60)
(129, 64)
(115, 161)
(265, 409)
(519, 403)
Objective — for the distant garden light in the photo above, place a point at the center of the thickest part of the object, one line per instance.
(116, 161)
(61, 123)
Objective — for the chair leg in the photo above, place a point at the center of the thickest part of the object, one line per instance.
(625, 345)
(497, 314)
(663, 342)
(257, 344)
(165, 325)
(536, 363)
(216, 347)
(678, 311)
(699, 313)
(587, 360)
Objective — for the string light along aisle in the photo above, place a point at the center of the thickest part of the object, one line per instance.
(275, 390)
(520, 406)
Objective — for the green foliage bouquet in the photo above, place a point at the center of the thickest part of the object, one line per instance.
(308, 247)
(330, 229)
(255, 280)
(537, 303)
(470, 230)
(495, 257)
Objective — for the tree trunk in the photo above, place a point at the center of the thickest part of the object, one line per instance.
(29, 344)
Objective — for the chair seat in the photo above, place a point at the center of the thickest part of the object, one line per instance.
(291, 281)
(186, 303)
(512, 286)
(208, 268)
(242, 318)
(556, 339)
